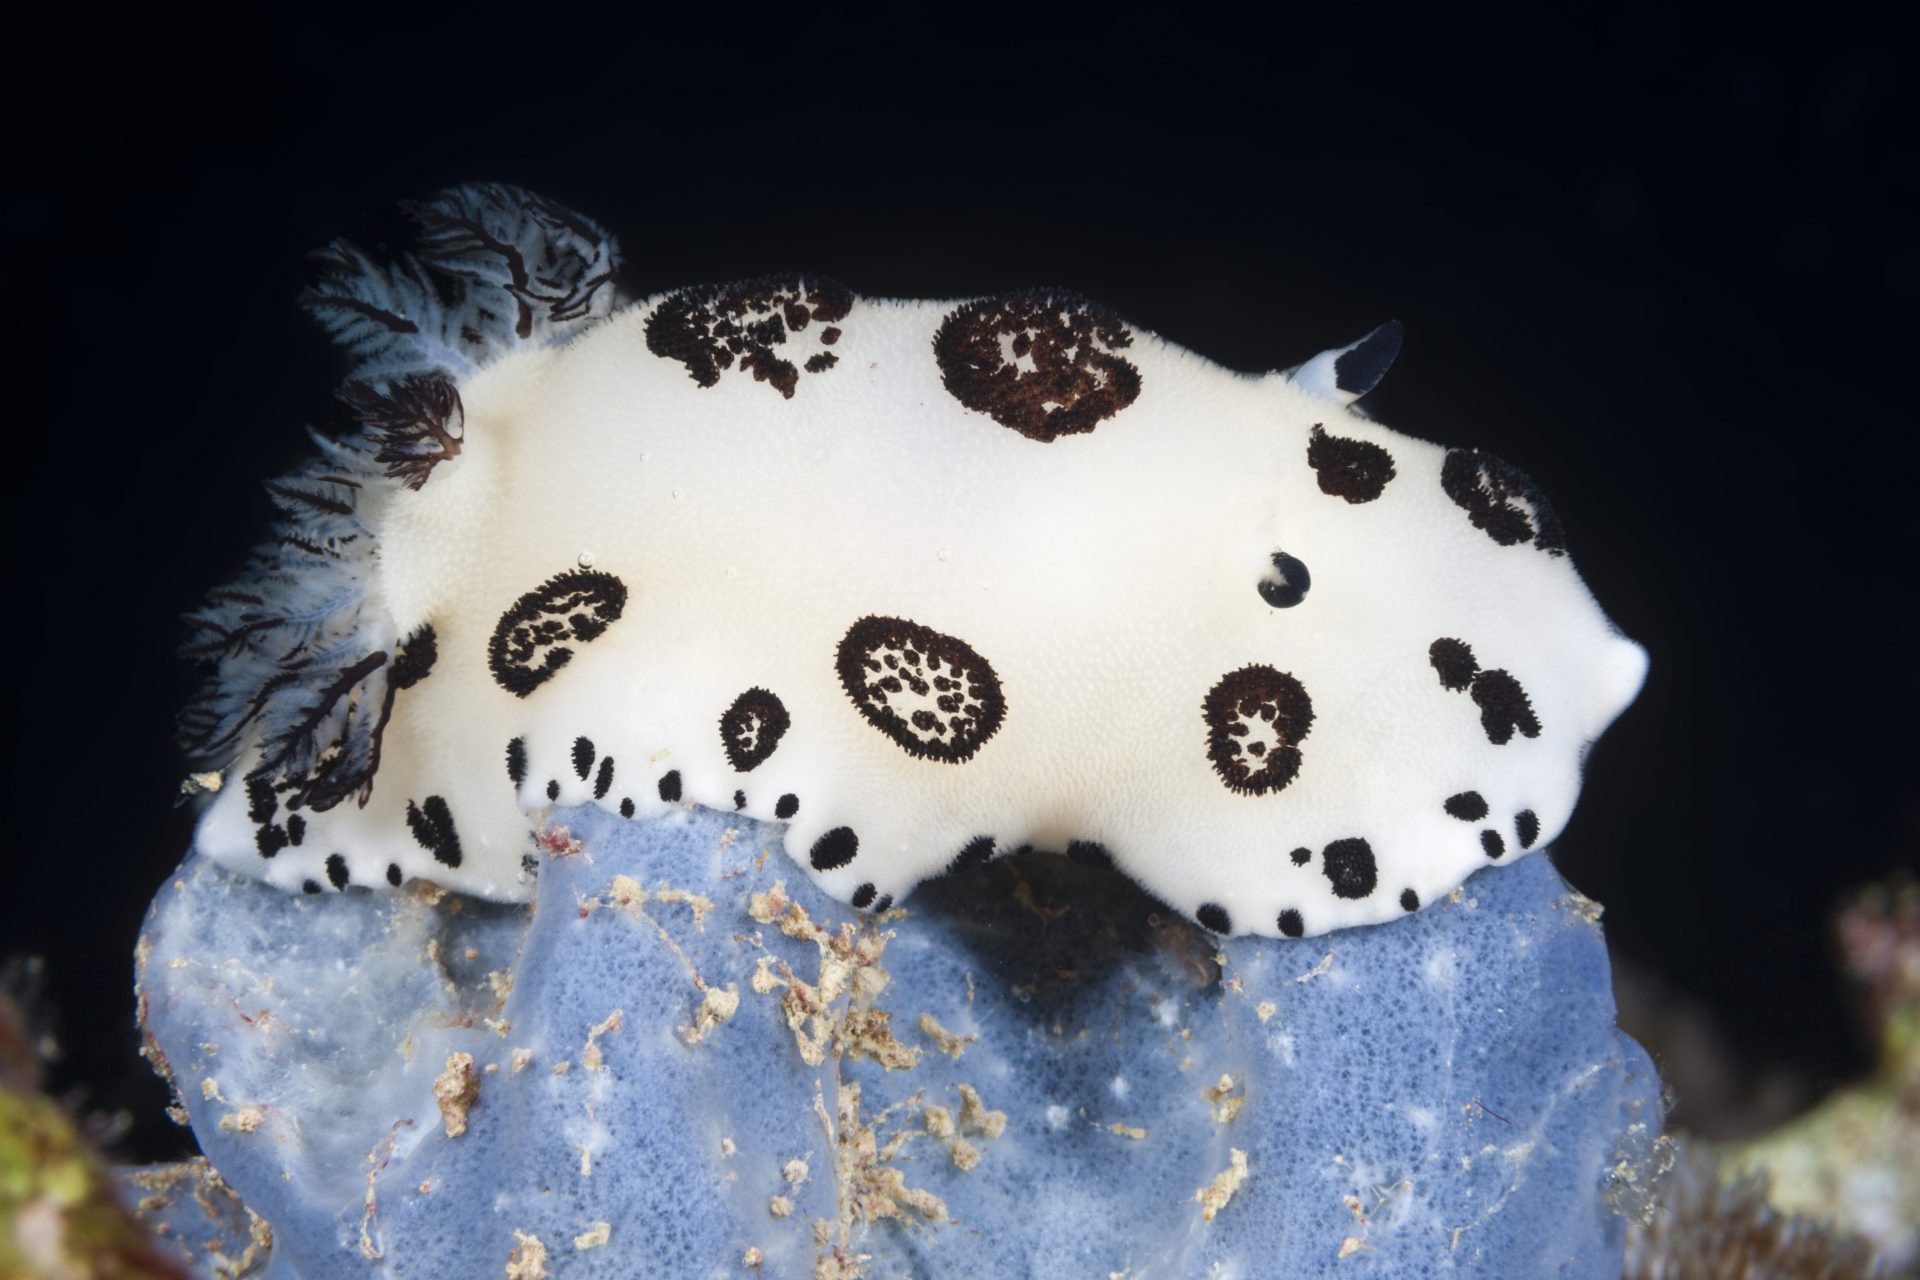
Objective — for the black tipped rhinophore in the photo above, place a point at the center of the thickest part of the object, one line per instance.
(1359, 368)
(1287, 585)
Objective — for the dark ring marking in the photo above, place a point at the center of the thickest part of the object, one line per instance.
(670, 786)
(933, 694)
(1291, 587)
(603, 779)
(1349, 867)
(1526, 825)
(1044, 364)
(1501, 500)
(834, 849)
(1214, 918)
(337, 870)
(431, 823)
(1468, 806)
(1256, 697)
(528, 646)
(1491, 842)
(786, 806)
(1291, 924)
(1354, 470)
(752, 727)
(978, 852)
(517, 760)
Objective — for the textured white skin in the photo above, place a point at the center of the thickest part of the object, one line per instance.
(1109, 578)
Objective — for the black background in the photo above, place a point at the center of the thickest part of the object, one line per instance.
(1664, 261)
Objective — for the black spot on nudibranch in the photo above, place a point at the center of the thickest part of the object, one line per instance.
(337, 870)
(603, 778)
(393, 874)
(1501, 500)
(626, 807)
(755, 322)
(863, 896)
(1503, 707)
(578, 606)
(978, 852)
(296, 829)
(834, 849)
(786, 806)
(1468, 806)
(1354, 470)
(752, 727)
(583, 754)
(431, 823)
(310, 886)
(1214, 918)
(261, 803)
(932, 694)
(886, 900)
(1453, 661)
(553, 788)
(1526, 825)
(414, 662)
(670, 786)
(1491, 842)
(739, 800)
(1044, 364)
(1301, 857)
(1409, 900)
(1349, 867)
(1503, 703)
(517, 760)
(1291, 924)
(1256, 718)
(1287, 585)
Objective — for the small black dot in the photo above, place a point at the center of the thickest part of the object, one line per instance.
(886, 900)
(393, 874)
(834, 849)
(1301, 857)
(311, 886)
(1409, 900)
(1293, 582)
(739, 800)
(1089, 853)
(583, 754)
(603, 779)
(1291, 924)
(1526, 825)
(1214, 918)
(1349, 867)
(863, 896)
(553, 788)
(670, 786)
(1490, 841)
(786, 806)
(978, 853)
(296, 829)
(337, 870)
(517, 761)
(1468, 806)
(626, 807)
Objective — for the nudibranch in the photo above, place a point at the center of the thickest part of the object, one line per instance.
(929, 582)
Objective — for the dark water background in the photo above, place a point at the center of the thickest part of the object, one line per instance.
(1665, 261)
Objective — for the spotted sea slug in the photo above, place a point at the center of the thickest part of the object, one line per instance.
(928, 582)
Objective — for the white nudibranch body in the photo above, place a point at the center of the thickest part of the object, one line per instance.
(927, 581)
